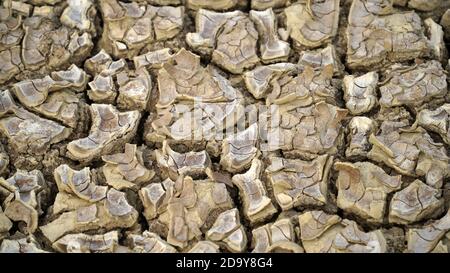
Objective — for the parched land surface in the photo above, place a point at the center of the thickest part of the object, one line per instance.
(224, 126)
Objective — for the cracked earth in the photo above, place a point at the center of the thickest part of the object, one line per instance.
(224, 126)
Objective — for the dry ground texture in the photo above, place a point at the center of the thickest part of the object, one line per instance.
(224, 126)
